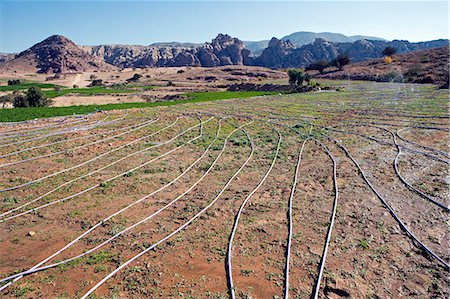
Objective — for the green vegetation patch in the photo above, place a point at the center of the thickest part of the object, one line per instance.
(20, 114)
(88, 91)
(23, 86)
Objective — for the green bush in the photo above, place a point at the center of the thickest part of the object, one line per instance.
(296, 77)
(33, 98)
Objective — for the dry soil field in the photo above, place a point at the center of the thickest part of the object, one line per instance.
(328, 194)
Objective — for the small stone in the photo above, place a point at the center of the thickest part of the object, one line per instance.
(31, 233)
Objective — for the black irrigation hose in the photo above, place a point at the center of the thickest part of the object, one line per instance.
(391, 211)
(389, 143)
(437, 151)
(402, 179)
(408, 185)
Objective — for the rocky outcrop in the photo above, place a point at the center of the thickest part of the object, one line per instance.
(275, 53)
(58, 54)
(221, 51)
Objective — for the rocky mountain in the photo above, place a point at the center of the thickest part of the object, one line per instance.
(58, 54)
(222, 50)
(281, 54)
(302, 38)
(55, 54)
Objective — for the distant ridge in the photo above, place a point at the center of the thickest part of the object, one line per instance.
(58, 54)
(302, 38)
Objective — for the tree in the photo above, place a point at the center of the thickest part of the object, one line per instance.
(389, 51)
(33, 98)
(340, 61)
(319, 65)
(296, 77)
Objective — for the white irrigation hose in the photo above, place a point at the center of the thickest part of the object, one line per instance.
(141, 125)
(112, 178)
(289, 241)
(238, 215)
(391, 211)
(85, 162)
(53, 132)
(65, 131)
(37, 268)
(330, 227)
(36, 120)
(63, 141)
(20, 132)
(175, 231)
(87, 174)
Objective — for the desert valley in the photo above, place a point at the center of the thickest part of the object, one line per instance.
(315, 165)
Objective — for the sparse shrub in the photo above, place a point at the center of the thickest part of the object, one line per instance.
(319, 65)
(33, 98)
(170, 83)
(75, 86)
(389, 51)
(392, 77)
(413, 71)
(313, 83)
(180, 71)
(92, 77)
(135, 78)
(96, 82)
(14, 82)
(387, 59)
(9, 98)
(363, 243)
(340, 61)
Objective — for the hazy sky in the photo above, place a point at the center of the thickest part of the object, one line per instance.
(24, 23)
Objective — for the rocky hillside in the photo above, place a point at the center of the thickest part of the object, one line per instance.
(283, 54)
(55, 54)
(221, 51)
(423, 66)
(58, 54)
